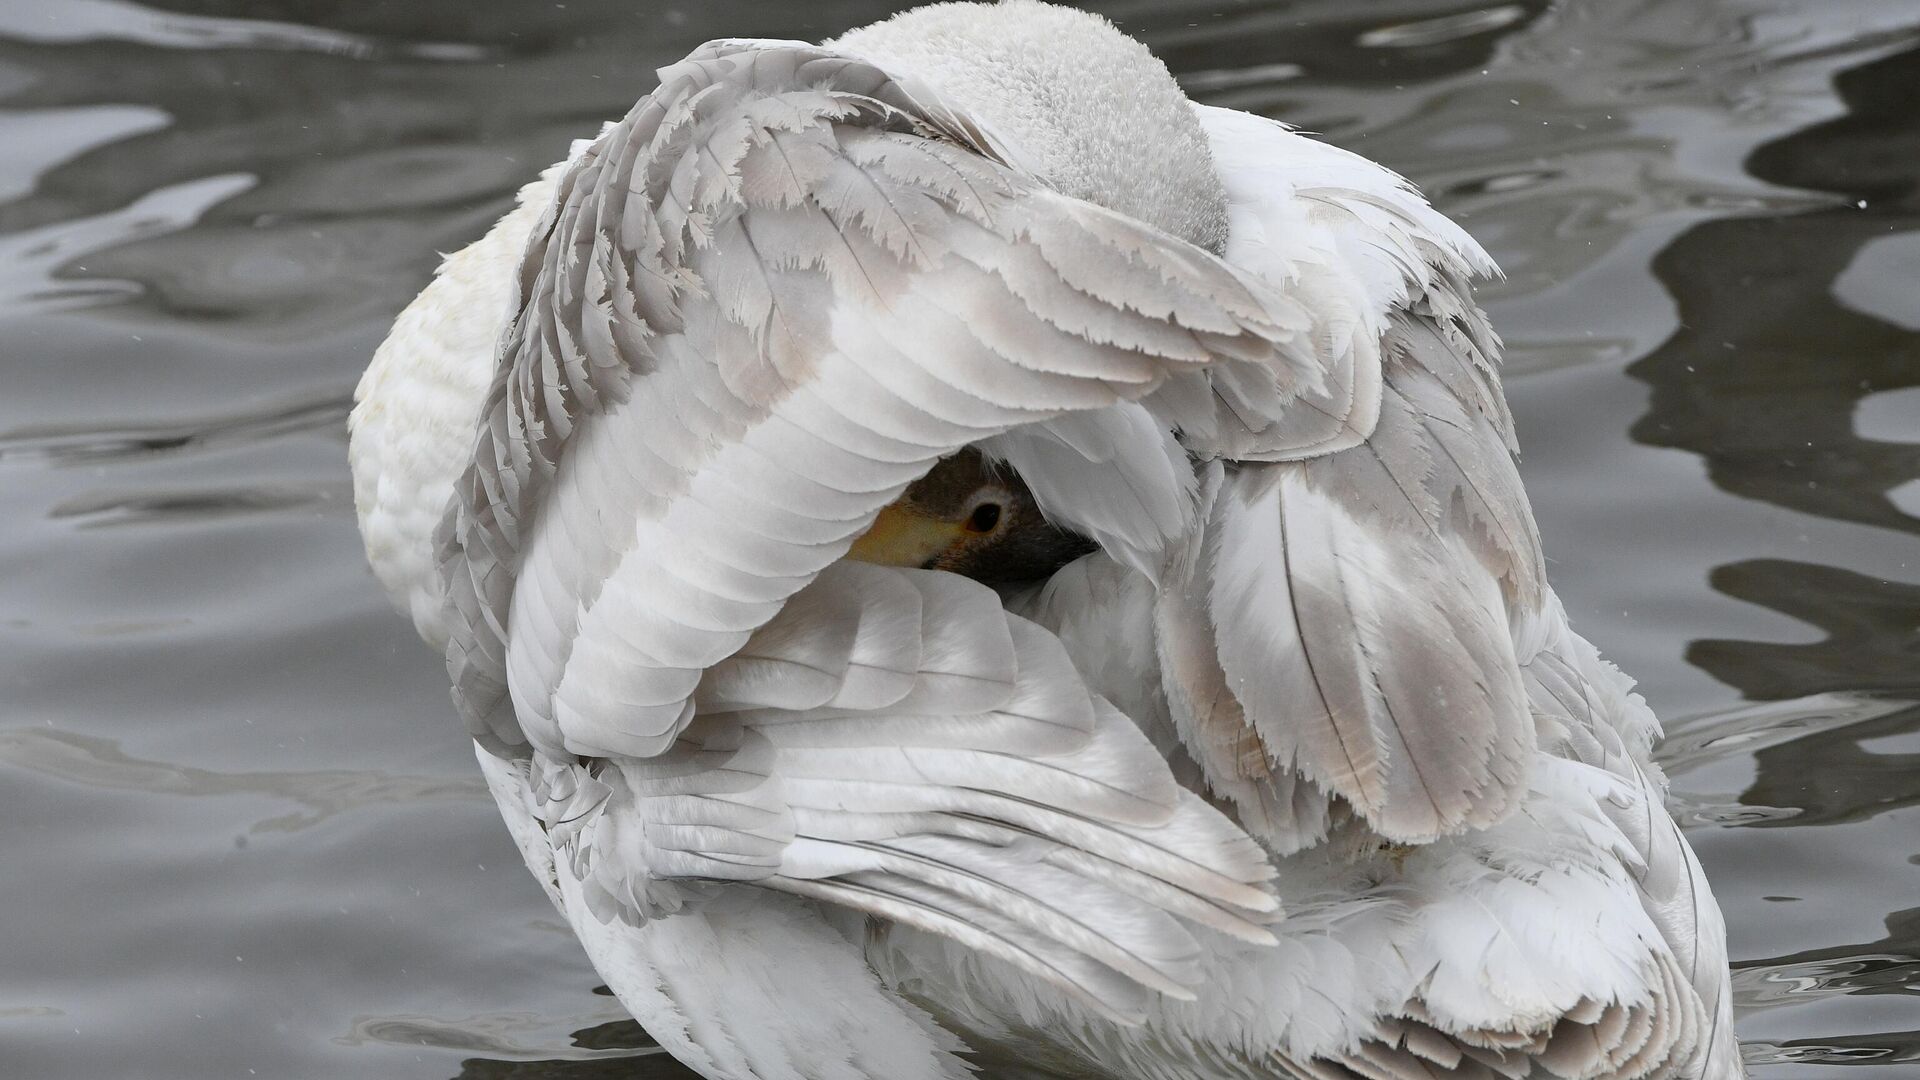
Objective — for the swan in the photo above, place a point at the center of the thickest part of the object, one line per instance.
(956, 558)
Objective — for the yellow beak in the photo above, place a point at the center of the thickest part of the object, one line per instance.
(900, 537)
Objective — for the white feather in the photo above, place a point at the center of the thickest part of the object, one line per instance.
(854, 822)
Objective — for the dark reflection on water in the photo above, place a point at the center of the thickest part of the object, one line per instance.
(246, 834)
(1872, 627)
(1226, 50)
(1764, 380)
(1764, 375)
(633, 1055)
(1889, 966)
(1837, 777)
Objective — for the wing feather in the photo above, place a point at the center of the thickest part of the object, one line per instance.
(1589, 714)
(1041, 826)
(1367, 643)
(1339, 624)
(758, 307)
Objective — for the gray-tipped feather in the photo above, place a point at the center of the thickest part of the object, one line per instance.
(760, 305)
(1039, 825)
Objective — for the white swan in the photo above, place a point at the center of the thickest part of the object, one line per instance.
(1271, 755)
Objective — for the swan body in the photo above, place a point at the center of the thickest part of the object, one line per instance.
(1299, 772)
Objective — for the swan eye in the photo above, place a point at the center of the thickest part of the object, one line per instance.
(984, 519)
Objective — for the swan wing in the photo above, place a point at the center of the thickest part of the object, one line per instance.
(1351, 606)
(757, 308)
(895, 743)
(760, 305)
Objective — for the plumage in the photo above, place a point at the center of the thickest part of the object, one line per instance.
(1298, 772)
(742, 353)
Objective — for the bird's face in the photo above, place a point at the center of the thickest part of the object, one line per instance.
(974, 519)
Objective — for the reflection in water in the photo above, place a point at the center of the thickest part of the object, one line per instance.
(1241, 54)
(101, 509)
(1872, 628)
(99, 763)
(1753, 728)
(657, 1066)
(33, 261)
(208, 215)
(90, 445)
(117, 20)
(1813, 729)
(617, 1050)
(592, 1050)
(1762, 378)
(1890, 965)
(47, 137)
(1832, 779)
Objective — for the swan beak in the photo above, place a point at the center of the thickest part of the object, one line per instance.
(901, 537)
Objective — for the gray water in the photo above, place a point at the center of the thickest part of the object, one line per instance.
(242, 832)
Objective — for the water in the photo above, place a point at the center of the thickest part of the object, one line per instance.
(243, 834)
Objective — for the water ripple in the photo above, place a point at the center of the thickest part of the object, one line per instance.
(1421, 33)
(1748, 729)
(106, 509)
(506, 1036)
(100, 763)
(50, 137)
(1877, 1049)
(31, 261)
(93, 446)
(1765, 985)
(1213, 80)
(77, 21)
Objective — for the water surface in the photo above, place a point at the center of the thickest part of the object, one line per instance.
(244, 833)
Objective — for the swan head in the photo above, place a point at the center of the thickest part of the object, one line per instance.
(1069, 99)
(973, 517)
